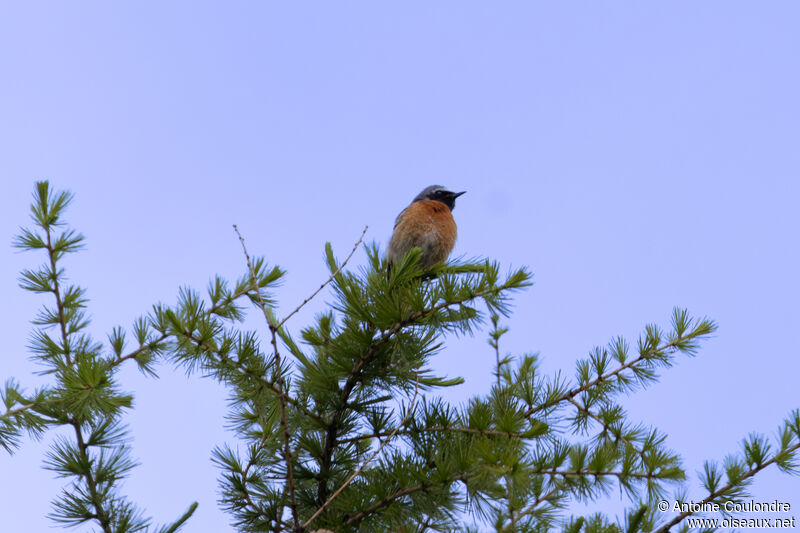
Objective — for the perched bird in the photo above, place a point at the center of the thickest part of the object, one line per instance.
(428, 224)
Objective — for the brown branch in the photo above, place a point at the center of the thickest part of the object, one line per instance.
(423, 527)
(140, 349)
(57, 292)
(369, 459)
(495, 342)
(213, 309)
(270, 385)
(553, 472)
(497, 363)
(287, 436)
(528, 510)
(607, 428)
(438, 429)
(605, 377)
(333, 276)
(721, 492)
(18, 410)
(100, 514)
(388, 500)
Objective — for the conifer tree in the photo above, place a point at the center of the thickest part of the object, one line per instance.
(341, 427)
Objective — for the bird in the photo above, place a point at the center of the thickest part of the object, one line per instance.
(427, 223)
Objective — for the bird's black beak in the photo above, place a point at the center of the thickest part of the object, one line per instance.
(451, 199)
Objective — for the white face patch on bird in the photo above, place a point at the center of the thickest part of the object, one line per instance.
(439, 194)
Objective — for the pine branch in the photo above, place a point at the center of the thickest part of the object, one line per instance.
(356, 375)
(96, 500)
(494, 342)
(388, 500)
(18, 410)
(281, 388)
(530, 509)
(57, 293)
(425, 524)
(214, 309)
(386, 441)
(731, 485)
(272, 386)
(566, 474)
(15, 419)
(85, 396)
(639, 451)
(438, 429)
(132, 355)
(676, 344)
(36, 406)
(554, 472)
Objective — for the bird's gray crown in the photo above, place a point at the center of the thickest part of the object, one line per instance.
(440, 194)
(430, 193)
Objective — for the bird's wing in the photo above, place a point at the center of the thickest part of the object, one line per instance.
(397, 220)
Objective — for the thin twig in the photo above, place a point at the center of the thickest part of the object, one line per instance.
(254, 281)
(370, 458)
(287, 451)
(333, 276)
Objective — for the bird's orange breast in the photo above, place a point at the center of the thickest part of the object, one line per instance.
(426, 224)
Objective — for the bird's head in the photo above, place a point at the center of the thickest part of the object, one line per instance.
(440, 194)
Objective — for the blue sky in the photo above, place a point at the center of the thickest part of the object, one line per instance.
(634, 155)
